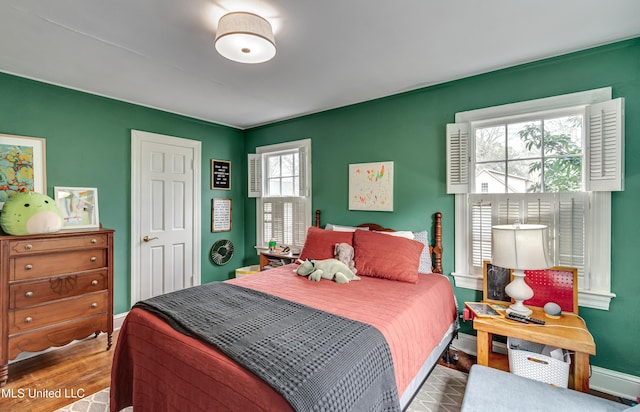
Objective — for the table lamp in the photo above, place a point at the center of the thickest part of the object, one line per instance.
(520, 247)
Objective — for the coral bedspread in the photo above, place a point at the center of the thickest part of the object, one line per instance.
(157, 368)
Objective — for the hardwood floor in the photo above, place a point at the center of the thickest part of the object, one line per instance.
(49, 381)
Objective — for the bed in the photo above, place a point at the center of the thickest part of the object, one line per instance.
(157, 368)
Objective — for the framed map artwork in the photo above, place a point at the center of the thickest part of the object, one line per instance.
(22, 166)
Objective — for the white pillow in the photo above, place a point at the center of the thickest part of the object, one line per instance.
(338, 228)
(400, 233)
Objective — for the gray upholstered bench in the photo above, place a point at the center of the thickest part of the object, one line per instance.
(497, 391)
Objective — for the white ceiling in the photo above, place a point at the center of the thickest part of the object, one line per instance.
(331, 53)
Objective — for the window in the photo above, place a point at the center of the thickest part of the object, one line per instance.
(279, 179)
(551, 161)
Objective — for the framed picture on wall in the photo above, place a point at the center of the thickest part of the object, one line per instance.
(22, 166)
(371, 186)
(495, 279)
(221, 174)
(220, 215)
(79, 206)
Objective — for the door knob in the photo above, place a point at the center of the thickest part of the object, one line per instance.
(147, 238)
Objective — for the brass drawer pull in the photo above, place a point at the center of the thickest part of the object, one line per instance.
(29, 294)
(94, 241)
(94, 305)
(93, 259)
(94, 282)
(28, 246)
(28, 319)
(28, 267)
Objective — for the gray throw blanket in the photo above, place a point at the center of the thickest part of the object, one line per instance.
(316, 360)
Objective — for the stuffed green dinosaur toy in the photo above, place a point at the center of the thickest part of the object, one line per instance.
(331, 269)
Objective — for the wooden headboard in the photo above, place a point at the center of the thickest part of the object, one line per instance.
(436, 248)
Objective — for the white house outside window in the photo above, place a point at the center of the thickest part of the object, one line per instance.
(279, 178)
(551, 161)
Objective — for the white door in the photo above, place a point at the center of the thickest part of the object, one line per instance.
(165, 214)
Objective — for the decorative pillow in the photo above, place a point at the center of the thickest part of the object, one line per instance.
(387, 257)
(400, 233)
(320, 243)
(338, 228)
(426, 265)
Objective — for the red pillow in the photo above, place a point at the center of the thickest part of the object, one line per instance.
(388, 257)
(320, 243)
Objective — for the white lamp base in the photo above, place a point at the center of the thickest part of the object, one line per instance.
(519, 291)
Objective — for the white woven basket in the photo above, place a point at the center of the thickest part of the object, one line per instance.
(526, 360)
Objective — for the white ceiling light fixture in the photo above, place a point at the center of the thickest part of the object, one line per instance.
(245, 38)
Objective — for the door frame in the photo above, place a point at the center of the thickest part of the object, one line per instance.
(137, 138)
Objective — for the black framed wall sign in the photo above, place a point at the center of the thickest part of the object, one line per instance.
(220, 174)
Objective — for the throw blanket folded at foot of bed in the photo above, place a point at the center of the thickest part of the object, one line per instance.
(316, 360)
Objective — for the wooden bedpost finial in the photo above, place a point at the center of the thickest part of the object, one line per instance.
(317, 223)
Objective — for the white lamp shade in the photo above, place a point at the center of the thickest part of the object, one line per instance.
(245, 38)
(520, 246)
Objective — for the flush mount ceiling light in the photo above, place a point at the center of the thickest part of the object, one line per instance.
(245, 37)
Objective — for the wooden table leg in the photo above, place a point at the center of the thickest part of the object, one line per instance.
(581, 372)
(484, 347)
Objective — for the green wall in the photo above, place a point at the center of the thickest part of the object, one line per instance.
(88, 141)
(88, 144)
(409, 129)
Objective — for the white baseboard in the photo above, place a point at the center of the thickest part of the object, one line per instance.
(118, 320)
(603, 380)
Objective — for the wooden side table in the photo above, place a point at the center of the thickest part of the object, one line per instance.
(569, 332)
(266, 257)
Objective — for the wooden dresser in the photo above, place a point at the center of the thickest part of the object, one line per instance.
(56, 288)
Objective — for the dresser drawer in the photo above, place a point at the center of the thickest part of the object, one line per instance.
(26, 246)
(35, 266)
(58, 335)
(23, 320)
(40, 291)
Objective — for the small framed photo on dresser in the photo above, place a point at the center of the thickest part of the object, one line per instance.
(78, 205)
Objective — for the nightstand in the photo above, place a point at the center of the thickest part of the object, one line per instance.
(275, 259)
(569, 332)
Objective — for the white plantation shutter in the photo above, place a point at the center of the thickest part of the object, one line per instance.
(283, 220)
(571, 232)
(302, 161)
(565, 214)
(508, 210)
(539, 210)
(605, 146)
(458, 158)
(480, 232)
(255, 175)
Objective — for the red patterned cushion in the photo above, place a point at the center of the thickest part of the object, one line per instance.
(388, 257)
(320, 243)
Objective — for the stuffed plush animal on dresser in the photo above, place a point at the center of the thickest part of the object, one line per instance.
(331, 269)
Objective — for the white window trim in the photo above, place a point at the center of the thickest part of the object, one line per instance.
(599, 294)
(278, 147)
